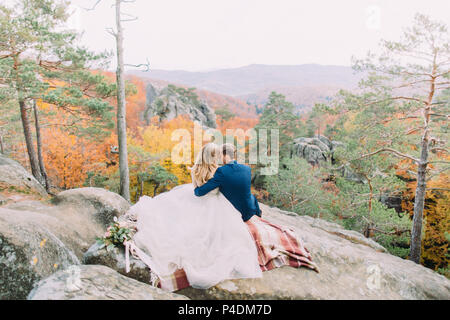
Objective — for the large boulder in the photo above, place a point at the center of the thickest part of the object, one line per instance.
(100, 205)
(351, 267)
(15, 179)
(96, 283)
(39, 238)
(83, 215)
(314, 150)
(32, 246)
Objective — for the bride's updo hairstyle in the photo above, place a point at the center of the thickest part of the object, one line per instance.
(206, 164)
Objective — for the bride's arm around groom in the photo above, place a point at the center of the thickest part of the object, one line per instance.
(234, 182)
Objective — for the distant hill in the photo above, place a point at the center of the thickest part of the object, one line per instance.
(302, 84)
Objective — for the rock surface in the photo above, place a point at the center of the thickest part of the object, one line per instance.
(14, 178)
(32, 246)
(172, 101)
(314, 150)
(351, 267)
(321, 149)
(99, 204)
(39, 238)
(96, 283)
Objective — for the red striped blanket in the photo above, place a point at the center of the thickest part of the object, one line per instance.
(277, 246)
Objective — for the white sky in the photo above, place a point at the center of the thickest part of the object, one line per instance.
(210, 34)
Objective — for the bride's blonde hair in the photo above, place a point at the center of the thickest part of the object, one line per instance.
(206, 164)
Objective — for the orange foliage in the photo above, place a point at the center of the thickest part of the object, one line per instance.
(436, 214)
(69, 158)
(136, 106)
(235, 123)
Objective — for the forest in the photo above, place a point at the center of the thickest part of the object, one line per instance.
(374, 160)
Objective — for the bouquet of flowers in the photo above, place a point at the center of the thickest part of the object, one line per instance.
(116, 234)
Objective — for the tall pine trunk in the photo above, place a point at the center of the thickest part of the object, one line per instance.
(419, 204)
(421, 189)
(34, 164)
(121, 111)
(39, 147)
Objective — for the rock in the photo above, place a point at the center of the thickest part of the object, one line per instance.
(394, 202)
(151, 94)
(51, 235)
(115, 259)
(14, 178)
(336, 144)
(31, 249)
(173, 101)
(96, 283)
(100, 204)
(314, 150)
(351, 267)
(84, 214)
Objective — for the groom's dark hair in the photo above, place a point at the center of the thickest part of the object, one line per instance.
(228, 149)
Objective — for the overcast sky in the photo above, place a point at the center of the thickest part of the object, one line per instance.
(211, 34)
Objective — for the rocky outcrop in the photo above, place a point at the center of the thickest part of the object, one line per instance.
(14, 178)
(32, 246)
(351, 267)
(38, 238)
(99, 205)
(96, 283)
(314, 150)
(321, 149)
(173, 101)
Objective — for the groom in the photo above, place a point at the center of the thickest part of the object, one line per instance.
(233, 180)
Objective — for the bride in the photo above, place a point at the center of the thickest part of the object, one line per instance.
(205, 236)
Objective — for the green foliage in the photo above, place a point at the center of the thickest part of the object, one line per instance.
(40, 60)
(383, 123)
(158, 176)
(186, 95)
(314, 121)
(224, 113)
(279, 114)
(311, 191)
(299, 188)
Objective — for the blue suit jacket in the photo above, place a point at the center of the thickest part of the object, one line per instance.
(233, 180)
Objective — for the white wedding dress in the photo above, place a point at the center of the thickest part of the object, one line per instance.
(205, 236)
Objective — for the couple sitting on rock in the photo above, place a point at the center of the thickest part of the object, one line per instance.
(202, 233)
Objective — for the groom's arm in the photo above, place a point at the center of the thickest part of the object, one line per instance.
(212, 184)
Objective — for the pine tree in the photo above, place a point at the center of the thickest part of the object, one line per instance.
(39, 60)
(399, 112)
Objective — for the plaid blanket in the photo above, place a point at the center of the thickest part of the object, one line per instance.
(277, 246)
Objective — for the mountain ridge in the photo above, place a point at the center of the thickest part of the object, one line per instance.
(255, 82)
